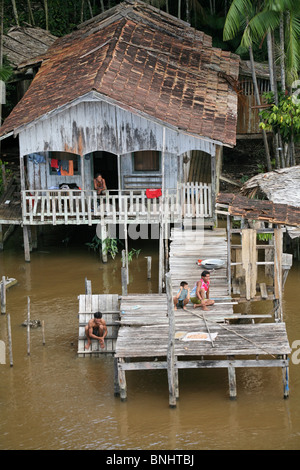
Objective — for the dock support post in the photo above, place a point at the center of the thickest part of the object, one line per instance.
(161, 258)
(232, 381)
(149, 260)
(26, 243)
(103, 244)
(116, 379)
(172, 376)
(3, 296)
(28, 326)
(122, 381)
(9, 340)
(124, 274)
(285, 376)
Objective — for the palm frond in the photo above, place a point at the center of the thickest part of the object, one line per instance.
(236, 18)
(293, 47)
(259, 25)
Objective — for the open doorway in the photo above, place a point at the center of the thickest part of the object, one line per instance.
(107, 164)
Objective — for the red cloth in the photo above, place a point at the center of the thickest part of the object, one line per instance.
(54, 163)
(152, 193)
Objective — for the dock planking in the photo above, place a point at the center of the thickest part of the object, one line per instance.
(144, 335)
(108, 305)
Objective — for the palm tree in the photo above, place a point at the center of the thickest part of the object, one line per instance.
(238, 17)
(285, 16)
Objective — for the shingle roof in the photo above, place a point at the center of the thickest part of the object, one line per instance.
(145, 60)
(267, 211)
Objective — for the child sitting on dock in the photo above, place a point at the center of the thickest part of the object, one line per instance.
(200, 292)
(96, 329)
(183, 296)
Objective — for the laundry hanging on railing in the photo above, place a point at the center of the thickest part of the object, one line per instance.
(153, 193)
(63, 167)
(36, 158)
(54, 163)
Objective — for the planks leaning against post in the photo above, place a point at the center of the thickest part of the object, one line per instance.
(171, 344)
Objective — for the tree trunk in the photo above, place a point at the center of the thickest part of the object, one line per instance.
(15, 12)
(282, 54)
(273, 83)
(187, 8)
(46, 14)
(257, 97)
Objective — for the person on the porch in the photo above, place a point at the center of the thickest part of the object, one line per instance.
(200, 292)
(183, 296)
(96, 329)
(99, 184)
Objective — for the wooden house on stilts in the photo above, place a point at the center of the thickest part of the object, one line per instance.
(129, 94)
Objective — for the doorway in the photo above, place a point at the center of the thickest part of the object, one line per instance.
(106, 164)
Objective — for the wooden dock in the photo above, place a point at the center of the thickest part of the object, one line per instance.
(108, 305)
(154, 336)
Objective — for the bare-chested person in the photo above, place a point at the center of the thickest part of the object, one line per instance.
(96, 329)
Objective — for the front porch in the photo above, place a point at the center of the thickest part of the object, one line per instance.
(84, 207)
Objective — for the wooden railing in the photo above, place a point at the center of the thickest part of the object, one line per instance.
(85, 207)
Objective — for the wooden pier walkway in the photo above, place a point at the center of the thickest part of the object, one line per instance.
(108, 305)
(199, 339)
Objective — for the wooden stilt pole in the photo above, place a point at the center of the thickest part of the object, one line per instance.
(122, 381)
(88, 287)
(126, 252)
(161, 259)
(28, 326)
(285, 376)
(116, 381)
(171, 345)
(9, 341)
(124, 274)
(26, 243)
(232, 381)
(3, 296)
(149, 261)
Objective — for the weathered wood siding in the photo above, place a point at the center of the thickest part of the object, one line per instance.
(151, 179)
(248, 114)
(94, 124)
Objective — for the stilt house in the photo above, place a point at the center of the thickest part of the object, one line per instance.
(131, 93)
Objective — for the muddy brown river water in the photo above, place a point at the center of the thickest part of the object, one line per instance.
(51, 399)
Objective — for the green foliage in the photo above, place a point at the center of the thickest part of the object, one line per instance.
(264, 237)
(110, 245)
(5, 72)
(284, 118)
(132, 253)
